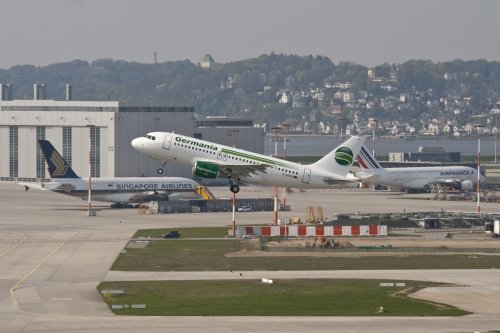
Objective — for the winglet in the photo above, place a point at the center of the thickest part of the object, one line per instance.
(57, 166)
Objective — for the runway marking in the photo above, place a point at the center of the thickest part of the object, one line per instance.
(62, 299)
(19, 242)
(14, 287)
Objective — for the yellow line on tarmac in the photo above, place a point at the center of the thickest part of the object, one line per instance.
(14, 287)
(14, 246)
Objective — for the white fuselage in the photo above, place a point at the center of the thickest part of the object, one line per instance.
(419, 177)
(170, 147)
(123, 189)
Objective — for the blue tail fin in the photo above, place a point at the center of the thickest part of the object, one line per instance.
(57, 166)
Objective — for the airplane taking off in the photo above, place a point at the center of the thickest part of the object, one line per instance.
(212, 160)
(120, 191)
(416, 178)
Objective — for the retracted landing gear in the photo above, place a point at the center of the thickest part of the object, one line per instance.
(160, 170)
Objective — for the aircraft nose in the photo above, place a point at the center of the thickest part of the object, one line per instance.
(137, 143)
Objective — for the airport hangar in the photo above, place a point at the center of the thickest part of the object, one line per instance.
(109, 126)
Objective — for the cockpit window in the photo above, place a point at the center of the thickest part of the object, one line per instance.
(150, 137)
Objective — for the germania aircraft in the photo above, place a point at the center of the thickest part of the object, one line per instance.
(212, 160)
(120, 191)
(416, 178)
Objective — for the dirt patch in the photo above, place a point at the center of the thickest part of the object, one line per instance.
(137, 244)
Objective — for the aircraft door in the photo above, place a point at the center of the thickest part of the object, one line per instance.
(167, 142)
(221, 156)
(307, 176)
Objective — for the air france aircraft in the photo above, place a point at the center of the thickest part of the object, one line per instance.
(416, 178)
(212, 160)
(119, 191)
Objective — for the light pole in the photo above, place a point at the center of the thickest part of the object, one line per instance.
(275, 219)
(478, 129)
(374, 127)
(341, 129)
(285, 127)
(496, 133)
(276, 129)
(233, 134)
(90, 213)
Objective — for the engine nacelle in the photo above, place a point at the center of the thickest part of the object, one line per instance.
(465, 185)
(206, 169)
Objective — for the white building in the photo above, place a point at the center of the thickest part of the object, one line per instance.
(108, 126)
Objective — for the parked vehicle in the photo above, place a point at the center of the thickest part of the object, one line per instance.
(245, 209)
(172, 234)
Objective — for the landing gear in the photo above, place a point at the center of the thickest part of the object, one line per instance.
(160, 170)
(234, 188)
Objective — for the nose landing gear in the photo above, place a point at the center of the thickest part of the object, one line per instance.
(160, 170)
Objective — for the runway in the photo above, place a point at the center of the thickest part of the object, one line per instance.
(52, 256)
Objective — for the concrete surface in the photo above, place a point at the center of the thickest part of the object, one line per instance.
(52, 256)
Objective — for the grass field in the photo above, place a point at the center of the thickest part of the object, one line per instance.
(283, 298)
(210, 255)
(216, 232)
(207, 250)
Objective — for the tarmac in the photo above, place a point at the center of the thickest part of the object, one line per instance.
(52, 256)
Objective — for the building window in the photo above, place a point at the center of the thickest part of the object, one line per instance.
(40, 160)
(67, 144)
(95, 157)
(13, 152)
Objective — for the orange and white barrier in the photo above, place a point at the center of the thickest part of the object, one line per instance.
(313, 230)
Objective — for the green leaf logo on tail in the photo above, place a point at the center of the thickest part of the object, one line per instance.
(343, 156)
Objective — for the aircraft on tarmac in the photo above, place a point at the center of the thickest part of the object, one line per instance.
(416, 178)
(212, 160)
(121, 191)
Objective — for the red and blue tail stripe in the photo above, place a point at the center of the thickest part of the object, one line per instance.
(366, 160)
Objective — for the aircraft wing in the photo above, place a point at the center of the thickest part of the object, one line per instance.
(237, 170)
(364, 176)
(28, 186)
(52, 186)
(452, 183)
(444, 181)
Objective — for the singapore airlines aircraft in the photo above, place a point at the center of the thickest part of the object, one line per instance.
(212, 160)
(120, 191)
(416, 178)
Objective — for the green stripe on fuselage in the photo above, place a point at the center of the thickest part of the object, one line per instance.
(259, 159)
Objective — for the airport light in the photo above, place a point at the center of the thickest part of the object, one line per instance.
(90, 213)
(478, 129)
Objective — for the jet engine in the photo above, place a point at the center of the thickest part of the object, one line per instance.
(206, 169)
(464, 185)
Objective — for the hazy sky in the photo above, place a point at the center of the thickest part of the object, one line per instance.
(368, 32)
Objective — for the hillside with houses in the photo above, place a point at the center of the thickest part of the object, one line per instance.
(312, 94)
